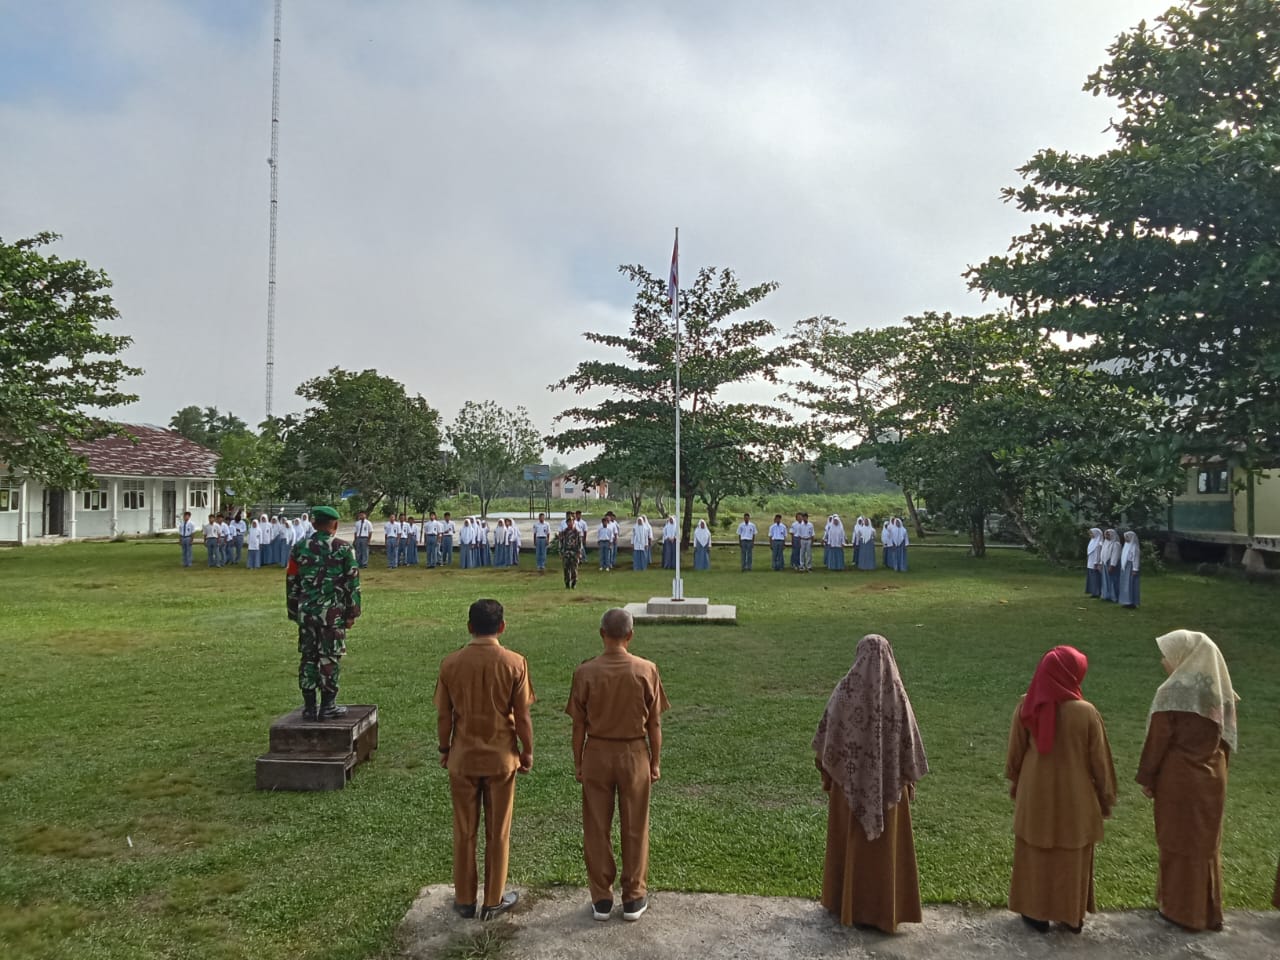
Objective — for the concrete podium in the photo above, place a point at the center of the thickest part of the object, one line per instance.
(317, 754)
(688, 610)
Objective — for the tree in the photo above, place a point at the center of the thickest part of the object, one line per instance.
(207, 426)
(249, 466)
(362, 432)
(1163, 253)
(741, 446)
(492, 444)
(56, 366)
(986, 413)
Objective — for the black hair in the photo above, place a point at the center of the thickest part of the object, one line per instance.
(485, 617)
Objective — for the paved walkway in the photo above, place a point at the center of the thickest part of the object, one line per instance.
(556, 923)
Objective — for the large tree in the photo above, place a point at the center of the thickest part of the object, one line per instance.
(249, 466)
(737, 447)
(362, 432)
(981, 414)
(1163, 253)
(492, 444)
(207, 426)
(56, 365)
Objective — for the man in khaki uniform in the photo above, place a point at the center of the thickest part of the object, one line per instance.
(616, 703)
(482, 703)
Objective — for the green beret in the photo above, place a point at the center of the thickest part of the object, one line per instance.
(328, 513)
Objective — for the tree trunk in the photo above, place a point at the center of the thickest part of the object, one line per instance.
(637, 501)
(713, 509)
(978, 534)
(1014, 510)
(659, 505)
(911, 512)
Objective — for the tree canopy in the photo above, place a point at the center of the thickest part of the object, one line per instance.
(56, 365)
(1164, 252)
(492, 444)
(983, 414)
(207, 426)
(362, 432)
(727, 447)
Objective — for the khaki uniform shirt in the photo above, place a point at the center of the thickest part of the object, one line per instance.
(614, 695)
(479, 690)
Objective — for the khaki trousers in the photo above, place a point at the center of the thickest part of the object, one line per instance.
(615, 769)
(497, 795)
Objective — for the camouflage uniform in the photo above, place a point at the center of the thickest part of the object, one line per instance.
(322, 591)
(570, 553)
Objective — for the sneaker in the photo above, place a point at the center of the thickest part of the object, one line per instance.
(632, 909)
(465, 910)
(601, 909)
(508, 901)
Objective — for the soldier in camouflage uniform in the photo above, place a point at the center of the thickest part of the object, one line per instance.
(570, 551)
(322, 591)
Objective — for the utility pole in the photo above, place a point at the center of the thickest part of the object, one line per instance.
(274, 163)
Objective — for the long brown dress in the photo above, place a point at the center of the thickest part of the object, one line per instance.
(873, 883)
(1061, 799)
(1184, 763)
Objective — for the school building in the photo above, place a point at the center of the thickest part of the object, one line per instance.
(144, 483)
(1225, 504)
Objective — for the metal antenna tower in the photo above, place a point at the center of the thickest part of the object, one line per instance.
(274, 163)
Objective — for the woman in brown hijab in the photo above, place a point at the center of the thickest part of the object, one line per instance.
(870, 756)
(1063, 782)
(1191, 734)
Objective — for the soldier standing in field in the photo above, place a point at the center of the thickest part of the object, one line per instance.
(322, 592)
(570, 550)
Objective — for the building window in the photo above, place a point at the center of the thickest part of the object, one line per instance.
(198, 495)
(1214, 481)
(9, 492)
(135, 494)
(96, 499)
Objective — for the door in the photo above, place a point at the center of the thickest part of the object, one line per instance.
(169, 506)
(54, 504)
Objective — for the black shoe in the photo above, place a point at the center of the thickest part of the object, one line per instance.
(508, 901)
(308, 704)
(1039, 926)
(631, 909)
(601, 909)
(1076, 929)
(465, 910)
(328, 709)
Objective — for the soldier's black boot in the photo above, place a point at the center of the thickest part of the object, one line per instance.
(308, 704)
(329, 709)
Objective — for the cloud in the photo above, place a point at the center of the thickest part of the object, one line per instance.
(459, 181)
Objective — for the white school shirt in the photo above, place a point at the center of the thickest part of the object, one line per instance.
(541, 530)
(1129, 554)
(211, 531)
(468, 535)
(391, 530)
(255, 537)
(581, 527)
(448, 528)
(835, 536)
(641, 535)
(186, 528)
(806, 530)
(777, 531)
(603, 534)
(412, 531)
(702, 537)
(826, 533)
(669, 532)
(614, 531)
(746, 531)
(224, 531)
(795, 529)
(514, 536)
(363, 528)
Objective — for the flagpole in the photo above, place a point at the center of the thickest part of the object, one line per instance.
(677, 585)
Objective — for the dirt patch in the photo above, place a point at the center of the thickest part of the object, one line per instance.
(558, 924)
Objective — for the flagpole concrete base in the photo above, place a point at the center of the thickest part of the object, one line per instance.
(689, 610)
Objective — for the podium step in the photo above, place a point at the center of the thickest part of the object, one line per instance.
(317, 754)
(277, 771)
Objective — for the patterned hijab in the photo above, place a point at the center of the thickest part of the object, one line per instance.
(1057, 678)
(1198, 683)
(867, 740)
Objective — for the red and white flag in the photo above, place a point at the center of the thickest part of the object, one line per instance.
(673, 281)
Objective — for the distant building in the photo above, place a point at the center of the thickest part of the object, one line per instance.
(564, 488)
(142, 487)
(1223, 504)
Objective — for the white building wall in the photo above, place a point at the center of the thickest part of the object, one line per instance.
(91, 523)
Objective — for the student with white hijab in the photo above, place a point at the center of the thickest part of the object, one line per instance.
(669, 535)
(702, 546)
(641, 537)
(865, 544)
(1130, 562)
(1110, 566)
(886, 544)
(466, 541)
(1093, 563)
(835, 544)
(826, 543)
(255, 545)
(900, 543)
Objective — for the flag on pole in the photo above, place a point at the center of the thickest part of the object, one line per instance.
(673, 281)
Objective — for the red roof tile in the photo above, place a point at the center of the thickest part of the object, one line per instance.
(156, 453)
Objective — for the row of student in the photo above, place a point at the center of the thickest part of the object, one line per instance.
(1112, 569)
(477, 543)
(264, 541)
(1062, 781)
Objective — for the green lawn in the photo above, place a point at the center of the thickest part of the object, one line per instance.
(136, 696)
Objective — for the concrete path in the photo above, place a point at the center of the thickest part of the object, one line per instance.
(556, 923)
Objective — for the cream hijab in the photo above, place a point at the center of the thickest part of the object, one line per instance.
(1198, 683)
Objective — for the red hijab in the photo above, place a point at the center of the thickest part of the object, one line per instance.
(1057, 679)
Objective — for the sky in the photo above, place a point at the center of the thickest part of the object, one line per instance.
(459, 180)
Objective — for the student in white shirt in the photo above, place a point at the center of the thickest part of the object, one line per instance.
(361, 537)
(255, 546)
(541, 537)
(467, 542)
(806, 543)
(777, 540)
(410, 534)
(746, 540)
(670, 533)
(211, 540)
(186, 532)
(641, 538)
(448, 530)
(391, 536)
(431, 536)
(702, 546)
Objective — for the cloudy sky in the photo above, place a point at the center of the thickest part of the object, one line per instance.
(460, 180)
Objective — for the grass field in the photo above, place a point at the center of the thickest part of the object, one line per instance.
(136, 696)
